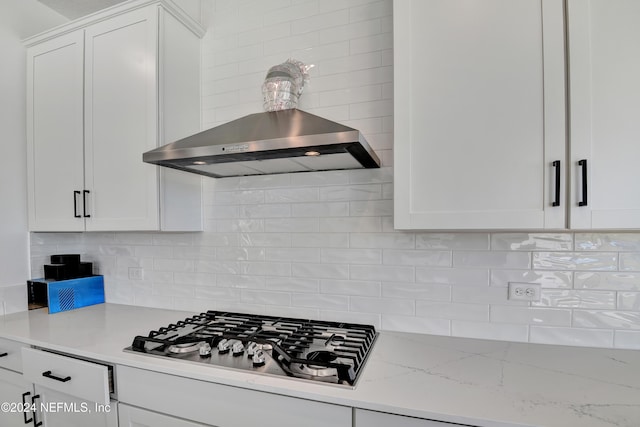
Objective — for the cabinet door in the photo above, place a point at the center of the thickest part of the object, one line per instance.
(479, 114)
(55, 134)
(121, 121)
(14, 390)
(604, 36)
(130, 416)
(364, 418)
(62, 410)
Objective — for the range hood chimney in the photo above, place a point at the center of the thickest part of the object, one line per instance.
(281, 140)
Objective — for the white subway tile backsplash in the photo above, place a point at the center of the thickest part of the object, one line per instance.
(453, 276)
(491, 259)
(384, 273)
(292, 284)
(627, 339)
(320, 209)
(293, 254)
(616, 280)
(382, 240)
(609, 242)
(322, 244)
(453, 241)
(629, 301)
(577, 299)
(320, 240)
(350, 287)
(238, 254)
(571, 336)
(382, 305)
(500, 331)
(531, 241)
(417, 257)
(371, 208)
(417, 291)
(321, 271)
(549, 279)
(606, 319)
(532, 316)
(453, 311)
(575, 261)
(351, 224)
(630, 261)
(352, 256)
(265, 297)
(322, 301)
(418, 325)
(291, 225)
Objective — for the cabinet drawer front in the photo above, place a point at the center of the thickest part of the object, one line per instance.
(86, 380)
(11, 356)
(365, 418)
(223, 406)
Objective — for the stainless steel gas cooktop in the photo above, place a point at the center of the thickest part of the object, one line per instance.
(328, 352)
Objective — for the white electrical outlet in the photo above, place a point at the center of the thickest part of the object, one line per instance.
(136, 273)
(524, 291)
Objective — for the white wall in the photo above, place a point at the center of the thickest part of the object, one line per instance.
(18, 19)
(322, 245)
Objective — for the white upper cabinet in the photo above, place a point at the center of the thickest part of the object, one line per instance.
(55, 133)
(604, 79)
(479, 114)
(99, 96)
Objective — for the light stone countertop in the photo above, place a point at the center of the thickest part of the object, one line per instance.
(467, 381)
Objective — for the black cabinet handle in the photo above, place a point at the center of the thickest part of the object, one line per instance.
(556, 201)
(75, 204)
(33, 402)
(583, 164)
(24, 405)
(84, 203)
(5, 354)
(48, 374)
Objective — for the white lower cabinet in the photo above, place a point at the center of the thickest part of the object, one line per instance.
(69, 392)
(130, 416)
(223, 406)
(17, 392)
(57, 409)
(365, 418)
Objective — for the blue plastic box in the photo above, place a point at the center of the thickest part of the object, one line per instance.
(63, 295)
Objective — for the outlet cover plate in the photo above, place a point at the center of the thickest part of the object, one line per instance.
(524, 291)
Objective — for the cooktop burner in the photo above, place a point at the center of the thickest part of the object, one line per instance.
(329, 352)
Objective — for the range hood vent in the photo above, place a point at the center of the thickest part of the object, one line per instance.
(274, 142)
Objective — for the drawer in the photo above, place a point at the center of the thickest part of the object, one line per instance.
(221, 405)
(11, 355)
(79, 378)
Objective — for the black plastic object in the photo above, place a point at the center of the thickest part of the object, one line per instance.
(56, 271)
(556, 201)
(85, 269)
(583, 164)
(48, 374)
(65, 259)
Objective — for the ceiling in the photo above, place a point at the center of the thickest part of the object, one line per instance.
(73, 9)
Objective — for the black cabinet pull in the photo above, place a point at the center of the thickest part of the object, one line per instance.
(556, 165)
(75, 204)
(48, 374)
(583, 164)
(84, 203)
(5, 354)
(33, 402)
(24, 405)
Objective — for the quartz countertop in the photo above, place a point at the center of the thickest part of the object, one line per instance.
(459, 380)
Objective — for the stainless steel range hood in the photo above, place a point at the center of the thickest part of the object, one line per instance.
(268, 143)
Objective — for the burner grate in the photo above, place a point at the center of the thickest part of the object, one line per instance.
(311, 349)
